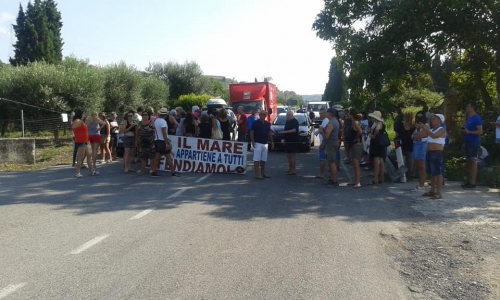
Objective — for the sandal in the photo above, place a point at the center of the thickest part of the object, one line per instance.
(290, 173)
(428, 194)
(357, 186)
(176, 174)
(79, 175)
(437, 197)
(95, 173)
(373, 182)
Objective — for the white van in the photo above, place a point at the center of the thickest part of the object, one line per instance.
(316, 106)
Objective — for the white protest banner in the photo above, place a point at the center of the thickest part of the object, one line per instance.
(207, 156)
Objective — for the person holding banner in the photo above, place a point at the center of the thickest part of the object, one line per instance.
(162, 144)
(260, 135)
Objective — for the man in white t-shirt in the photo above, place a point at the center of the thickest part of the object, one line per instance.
(321, 151)
(162, 144)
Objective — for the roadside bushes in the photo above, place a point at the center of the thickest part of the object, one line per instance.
(188, 101)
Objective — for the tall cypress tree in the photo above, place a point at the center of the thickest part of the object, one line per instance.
(38, 33)
(54, 27)
(334, 90)
(21, 56)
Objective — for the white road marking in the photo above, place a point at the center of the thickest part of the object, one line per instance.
(141, 214)
(179, 192)
(345, 169)
(89, 244)
(202, 178)
(10, 289)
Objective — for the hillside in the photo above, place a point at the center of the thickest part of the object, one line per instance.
(310, 98)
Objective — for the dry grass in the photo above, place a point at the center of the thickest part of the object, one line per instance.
(46, 155)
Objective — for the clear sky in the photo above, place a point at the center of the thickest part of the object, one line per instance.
(243, 39)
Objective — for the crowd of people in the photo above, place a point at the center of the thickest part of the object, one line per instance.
(423, 139)
(142, 129)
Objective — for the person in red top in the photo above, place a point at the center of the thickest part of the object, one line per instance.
(242, 125)
(81, 133)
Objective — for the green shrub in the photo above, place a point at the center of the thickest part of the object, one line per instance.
(188, 101)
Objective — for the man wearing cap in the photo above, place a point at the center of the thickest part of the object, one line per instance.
(331, 144)
(260, 135)
(434, 157)
(162, 144)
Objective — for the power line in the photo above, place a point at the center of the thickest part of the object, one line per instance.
(38, 107)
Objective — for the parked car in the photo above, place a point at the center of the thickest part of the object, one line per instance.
(306, 128)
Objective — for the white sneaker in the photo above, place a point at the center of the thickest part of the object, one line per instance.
(418, 189)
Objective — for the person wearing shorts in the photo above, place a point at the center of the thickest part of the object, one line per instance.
(162, 144)
(321, 150)
(434, 158)
(356, 149)
(260, 135)
(331, 144)
(419, 138)
(472, 131)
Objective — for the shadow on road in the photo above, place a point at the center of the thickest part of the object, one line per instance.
(233, 197)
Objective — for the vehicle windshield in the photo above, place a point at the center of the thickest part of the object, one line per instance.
(316, 107)
(248, 106)
(281, 120)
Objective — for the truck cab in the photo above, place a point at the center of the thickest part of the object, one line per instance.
(255, 96)
(316, 106)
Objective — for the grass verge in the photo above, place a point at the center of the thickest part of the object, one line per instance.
(48, 156)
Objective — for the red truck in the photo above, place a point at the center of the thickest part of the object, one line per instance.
(254, 96)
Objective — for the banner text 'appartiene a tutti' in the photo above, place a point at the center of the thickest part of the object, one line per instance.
(207, 156)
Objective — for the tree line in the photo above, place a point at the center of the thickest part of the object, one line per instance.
(393, 54)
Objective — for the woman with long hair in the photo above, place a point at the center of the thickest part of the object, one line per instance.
(145, 138)
(93, 123)
(225, 125)
(377, 152)
(128, 128)
(419, 138)
(105, 139)
(81, 134)
(356, 134)
(204, 127)
(405, 134)
(190, 125)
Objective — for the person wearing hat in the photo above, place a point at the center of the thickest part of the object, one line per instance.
(331, 144)
(162, 144)
(436, 139)
(377, 152)
(196, 112)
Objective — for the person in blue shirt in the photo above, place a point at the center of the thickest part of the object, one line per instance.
(302, 110)
(260, 135)
(250, 120)
(472, 131)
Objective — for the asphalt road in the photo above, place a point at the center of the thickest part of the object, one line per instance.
(126, 236)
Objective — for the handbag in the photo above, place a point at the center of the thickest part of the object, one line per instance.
(383, 139)
(217, 133)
